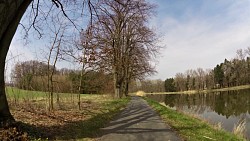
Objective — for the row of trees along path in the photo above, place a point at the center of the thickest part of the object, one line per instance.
(117, 38)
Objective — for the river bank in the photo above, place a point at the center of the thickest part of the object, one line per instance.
(192, 128)
(205, 91)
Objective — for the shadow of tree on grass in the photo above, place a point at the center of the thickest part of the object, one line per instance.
(88, 128)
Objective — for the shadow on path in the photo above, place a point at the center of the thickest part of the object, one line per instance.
(138, 122)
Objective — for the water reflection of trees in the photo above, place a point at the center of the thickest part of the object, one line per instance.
(157, 97)
(224, 103)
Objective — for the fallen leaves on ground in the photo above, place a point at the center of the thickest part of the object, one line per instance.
(34, 118)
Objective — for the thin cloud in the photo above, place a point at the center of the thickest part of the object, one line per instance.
(203, 39)
(196, 33)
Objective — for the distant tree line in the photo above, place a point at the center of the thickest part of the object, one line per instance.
(148, 86)
(230, 73)
(32, 75)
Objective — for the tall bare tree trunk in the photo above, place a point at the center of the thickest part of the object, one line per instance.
(80, 87)
(51, 71)
(11, 12)
(126, 87)
(51, 93)
(116, 85)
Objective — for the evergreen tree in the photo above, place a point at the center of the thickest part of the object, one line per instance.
(219, 75)
(169, 85)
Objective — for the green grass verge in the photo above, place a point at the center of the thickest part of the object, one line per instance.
(190, 128)
(19, 94)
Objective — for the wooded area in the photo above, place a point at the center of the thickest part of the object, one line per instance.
(230, 73)
(116, 42)
(33, 75)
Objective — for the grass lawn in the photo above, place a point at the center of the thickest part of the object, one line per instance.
(190, 128)
(66, 121)
(25, 94)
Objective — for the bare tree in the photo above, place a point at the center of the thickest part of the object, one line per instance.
(139, 50)
(124, 41)
(87, 58)
(83, 53)
(247, 52)
(53, 56)
(180, 82)
(200, 83)
(11, 13)
(209, 79)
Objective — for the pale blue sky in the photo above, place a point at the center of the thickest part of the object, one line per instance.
(200, 33)
(195, 33)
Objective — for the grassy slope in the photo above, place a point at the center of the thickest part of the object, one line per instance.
(190, 128)
(20, 94)
(207, 91)
(66, 122)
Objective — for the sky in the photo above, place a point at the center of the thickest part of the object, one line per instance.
(193, 33)
(199, 33)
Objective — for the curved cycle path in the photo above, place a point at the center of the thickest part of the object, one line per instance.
(138, 122)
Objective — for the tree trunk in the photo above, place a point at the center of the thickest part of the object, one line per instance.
(4, 108)
(80, 87)
(11, 14)
(117, 92)
(117, 89)
(121, 92)
(126, 88)
(51, 107)
(117, 86)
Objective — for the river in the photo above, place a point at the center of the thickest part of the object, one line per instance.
(225, 108)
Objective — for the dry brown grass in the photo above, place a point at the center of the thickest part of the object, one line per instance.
(66, 121)
(240, 128)
(34, 115)
(140, 93)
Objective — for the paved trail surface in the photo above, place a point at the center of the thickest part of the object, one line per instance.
(138, 122)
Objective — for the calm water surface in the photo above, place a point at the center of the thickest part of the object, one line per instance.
(228, 108)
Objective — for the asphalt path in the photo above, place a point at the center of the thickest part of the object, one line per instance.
(138, 122)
